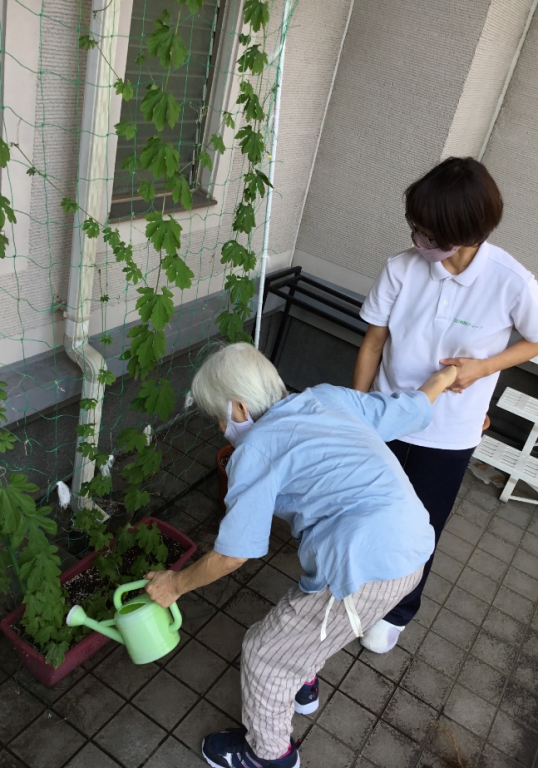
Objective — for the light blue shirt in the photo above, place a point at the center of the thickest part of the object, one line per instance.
(319, 460)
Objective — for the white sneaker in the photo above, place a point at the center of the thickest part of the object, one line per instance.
(382, 637)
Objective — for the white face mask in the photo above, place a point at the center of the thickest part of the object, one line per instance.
(234, 429)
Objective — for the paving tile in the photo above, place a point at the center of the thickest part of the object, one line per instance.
(469, 710)
(410, 715)
(452, 627)
(205, 454)
(521, 705)
(467, 606)
(219, 592)
(412, 637)
(346, 720)
(100, 656)
(17, 709)
(249, 569)
(487, 564)
(89, 704)
(526, 673)
(196, 612)
(173, 754)
(455, 744)
(9, 661)
(9, 761)
(533, 525)
(287, 561)
(514, 514)
(196, 666)
(391, 665)
(367, 687)
(281, 528)
(446, 566)
(130, 737)
(203, 720)
(497, 547)
(91, 756)
(336, 667)
(388, 748)
(187, 468)
(226, 693)
(427, 612)
(441, 654)
(526, 562)
(514, 605)
(166, 485)
(210, 486)
(47, 742)
(505, 530)
(530, 646)
(482, 679)
(199, 506)
(247, 607)
(492, 758)
(463, 528)
(529, 543)
(483, 497)
(521, 583)
(119, 672)
(275, 545)
(457, 548)
(165, 700)
(48, 696)
(477, 584)
(504, 627)
(201, 426)
(223, 635)
(437, 588)
(181, 520)
(474, 514)
(271, 584)
(513, 739)
(426, 683)
(494, 652)
(320, 750)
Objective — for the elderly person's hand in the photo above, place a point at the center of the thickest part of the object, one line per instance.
(163, 587)
(469, 371)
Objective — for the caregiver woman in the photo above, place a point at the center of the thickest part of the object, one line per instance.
(451, 299)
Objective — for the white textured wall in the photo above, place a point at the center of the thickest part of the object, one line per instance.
(512, 158)
(401, 75)
(312, 47)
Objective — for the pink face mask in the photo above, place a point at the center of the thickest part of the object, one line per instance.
(431, 254)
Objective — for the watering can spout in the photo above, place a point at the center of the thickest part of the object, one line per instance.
(77, 618)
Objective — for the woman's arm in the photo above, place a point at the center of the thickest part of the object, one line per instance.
(166, 587)
(369, 357)
(470, 370)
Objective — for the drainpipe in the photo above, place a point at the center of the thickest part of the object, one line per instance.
(90, 189)
(271, 174)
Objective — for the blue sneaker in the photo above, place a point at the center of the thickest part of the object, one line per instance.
(230, 749)
(307, 699)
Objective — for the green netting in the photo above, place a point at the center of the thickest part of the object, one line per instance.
(43, 384)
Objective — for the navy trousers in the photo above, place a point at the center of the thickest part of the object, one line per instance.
(436, 475)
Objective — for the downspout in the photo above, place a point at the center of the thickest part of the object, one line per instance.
(90, 189)
(508, 79)
(271, 174)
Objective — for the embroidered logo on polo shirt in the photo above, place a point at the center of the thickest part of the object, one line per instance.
(464, 322)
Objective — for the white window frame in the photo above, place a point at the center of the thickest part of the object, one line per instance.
(225, 91)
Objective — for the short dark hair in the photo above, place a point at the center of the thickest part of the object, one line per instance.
(457, 201)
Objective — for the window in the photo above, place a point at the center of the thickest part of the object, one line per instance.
(190, 84)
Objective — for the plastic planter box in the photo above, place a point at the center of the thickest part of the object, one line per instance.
(34, 661)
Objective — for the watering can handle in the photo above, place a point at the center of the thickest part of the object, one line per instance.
(174, 610)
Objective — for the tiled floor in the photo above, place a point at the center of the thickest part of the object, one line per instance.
(462, 684)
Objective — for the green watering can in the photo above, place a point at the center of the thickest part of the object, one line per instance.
(147, 630)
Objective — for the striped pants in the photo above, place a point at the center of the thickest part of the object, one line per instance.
(284, 650)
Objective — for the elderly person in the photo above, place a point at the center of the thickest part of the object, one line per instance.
(318, 460)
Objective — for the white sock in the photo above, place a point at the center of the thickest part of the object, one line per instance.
(381, 637)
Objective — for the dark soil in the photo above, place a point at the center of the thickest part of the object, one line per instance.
(86, 584)
(224, 461)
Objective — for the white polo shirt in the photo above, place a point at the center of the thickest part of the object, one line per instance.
(432, 315)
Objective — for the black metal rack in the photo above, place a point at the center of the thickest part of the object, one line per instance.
(314, 297)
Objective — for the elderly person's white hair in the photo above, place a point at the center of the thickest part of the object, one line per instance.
(237, 372)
